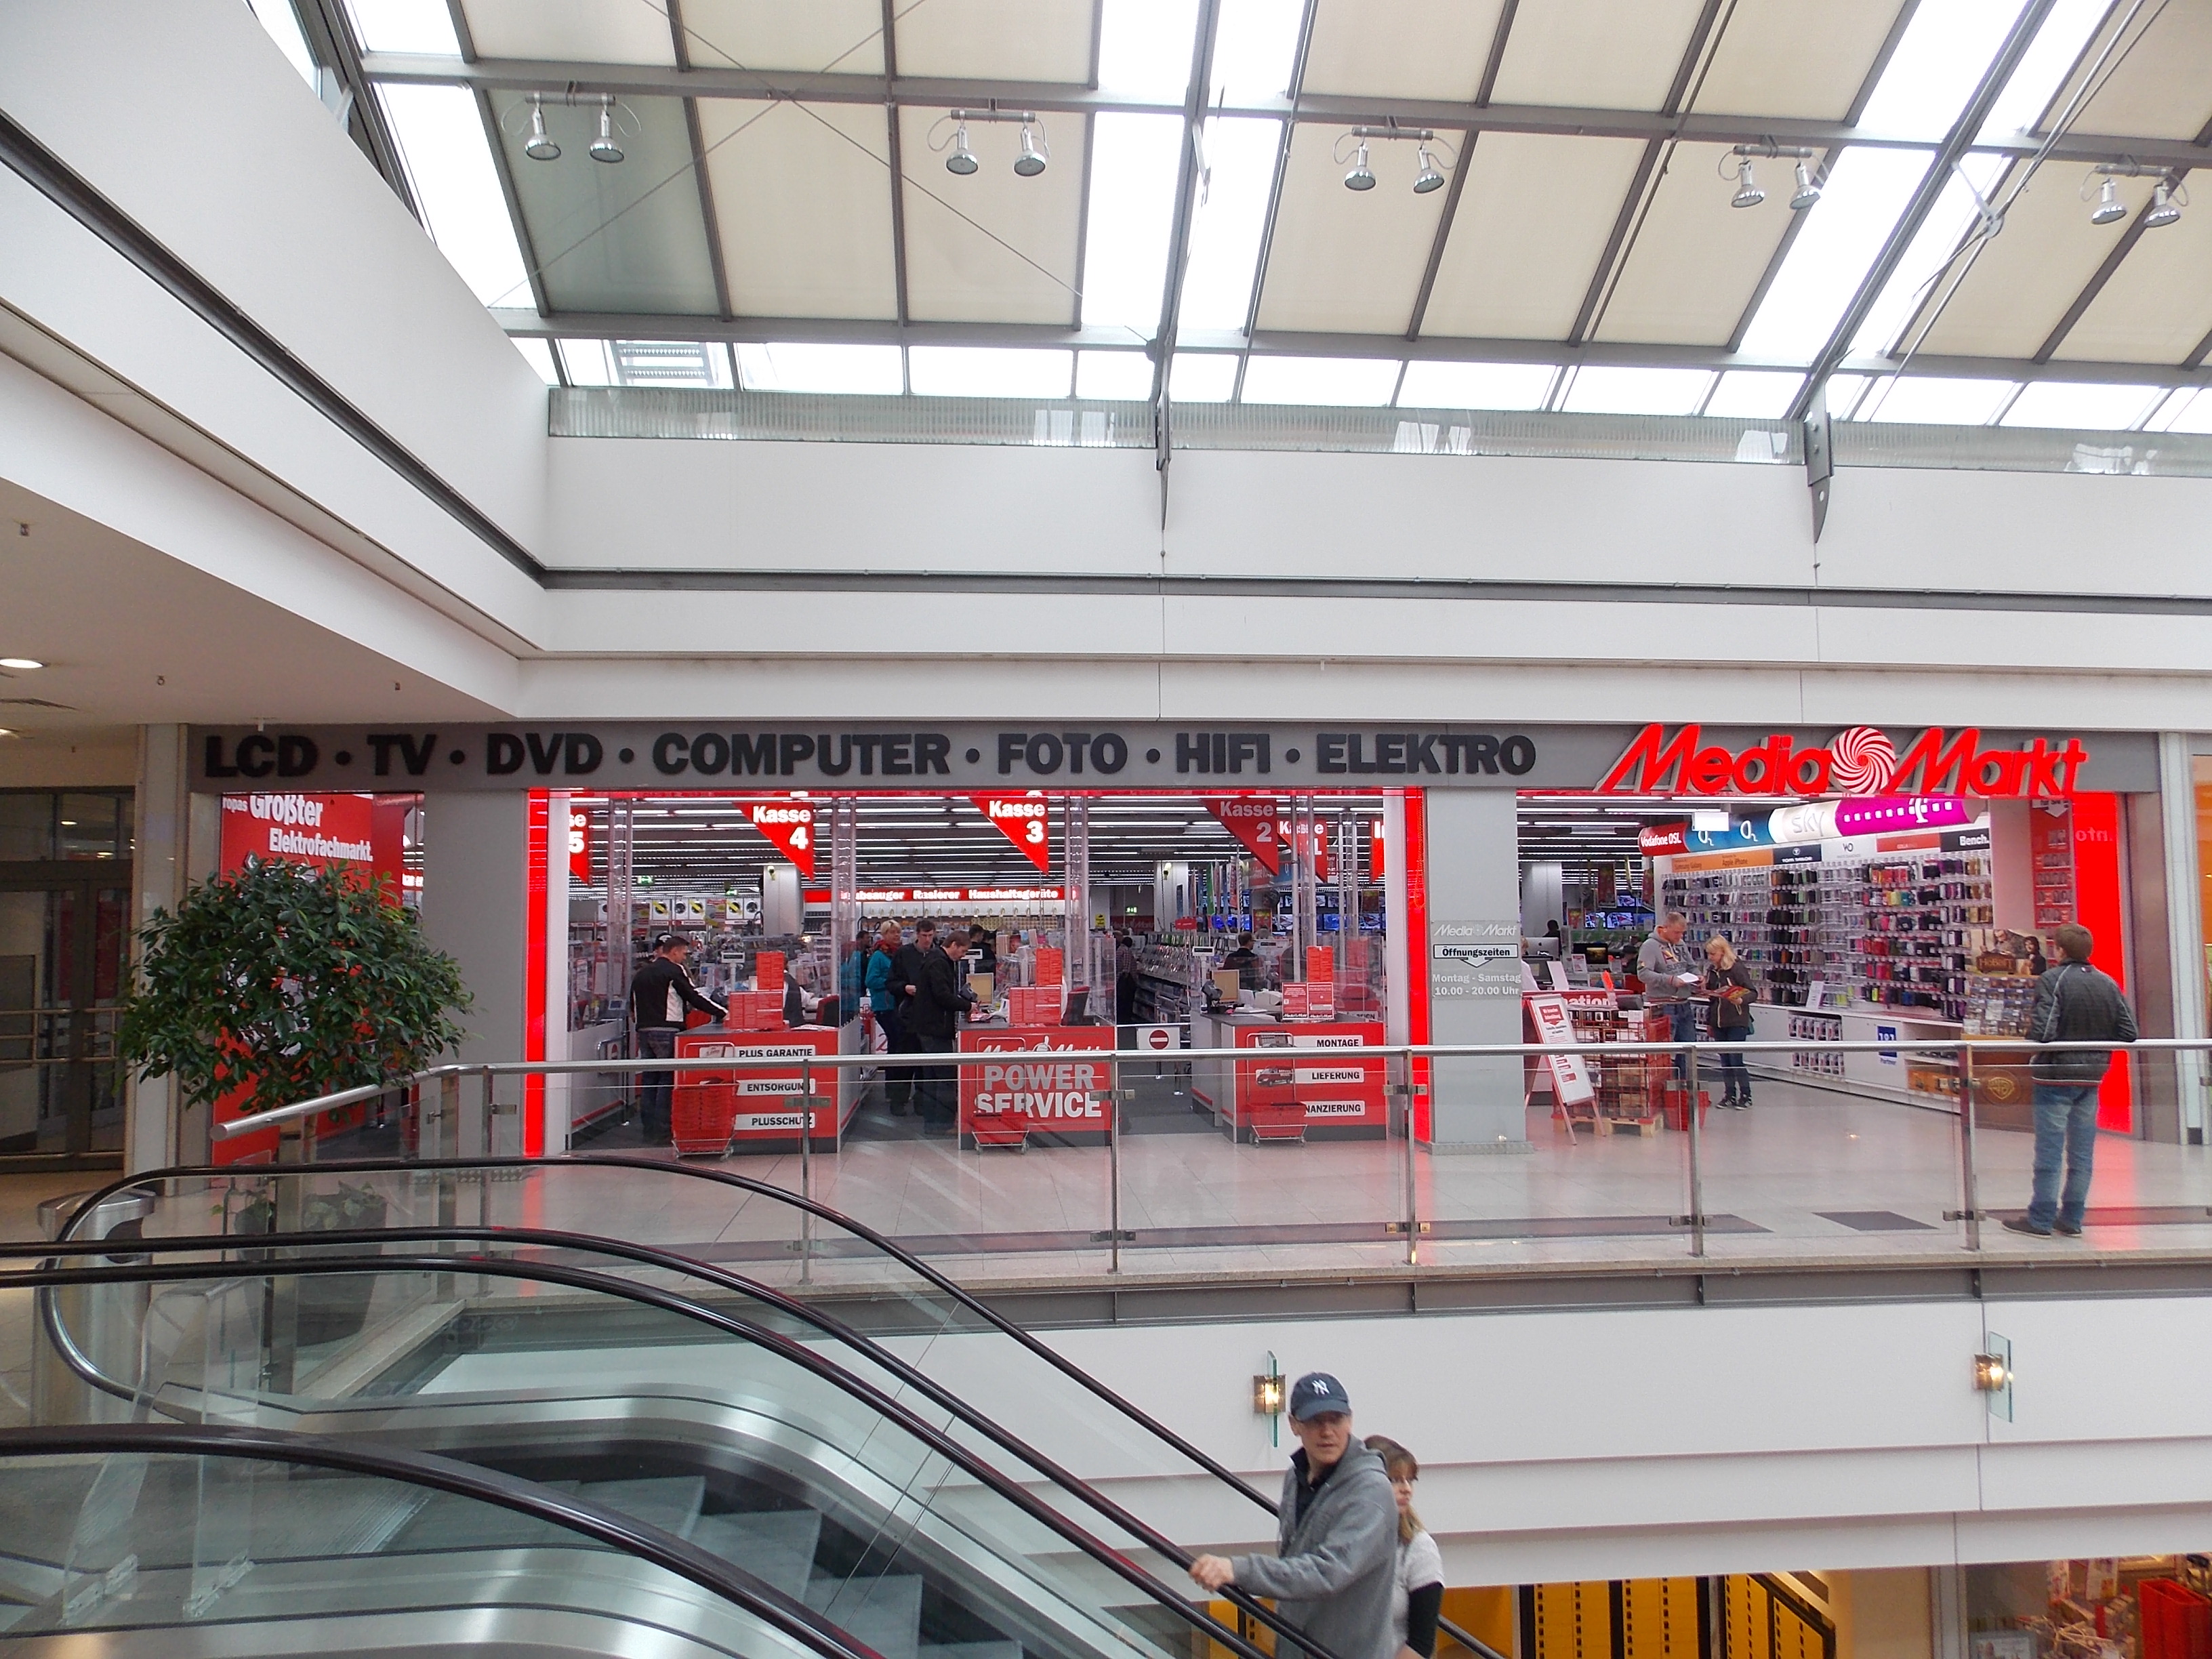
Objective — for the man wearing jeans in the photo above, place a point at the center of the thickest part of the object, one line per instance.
(2074, 1003)
(1670, 970)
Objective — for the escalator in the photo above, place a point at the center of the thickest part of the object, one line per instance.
(814, 1419)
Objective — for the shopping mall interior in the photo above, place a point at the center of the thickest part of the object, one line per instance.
(822, 826)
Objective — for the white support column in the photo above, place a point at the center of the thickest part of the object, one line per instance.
(2184, 930)
(158, 1130)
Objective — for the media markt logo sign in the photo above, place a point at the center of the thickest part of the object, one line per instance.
(1474, 959)
(1860, 760)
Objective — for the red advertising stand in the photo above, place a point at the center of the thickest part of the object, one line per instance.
(1045, 1085)
(713, 1113)
(1301, 1088)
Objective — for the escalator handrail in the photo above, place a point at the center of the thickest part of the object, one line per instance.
(622, 1533)
(797, 1354)
(644, 1254)
(859, 1228)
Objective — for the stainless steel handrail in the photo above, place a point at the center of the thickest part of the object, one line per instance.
(456, 1069)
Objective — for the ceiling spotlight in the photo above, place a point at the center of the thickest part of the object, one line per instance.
(1030, 163)
(1806, 193)
(1428, 177)
(1748, 192)
(963, 160)
(539, 145)
(604, 148)
(21, 662)
(2163, 211)
(1359, 178)
(2110, 208)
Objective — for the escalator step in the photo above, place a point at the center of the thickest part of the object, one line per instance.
(884, 1613)
(669, 1502)
(774, 1546)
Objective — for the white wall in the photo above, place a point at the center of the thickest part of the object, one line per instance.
(1612, 1443)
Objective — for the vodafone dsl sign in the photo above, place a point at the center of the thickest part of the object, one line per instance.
(1860, 760)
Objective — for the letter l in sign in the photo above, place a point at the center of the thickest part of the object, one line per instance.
(1025, 820)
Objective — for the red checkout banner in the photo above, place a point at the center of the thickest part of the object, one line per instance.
(788, 823)
(1252, 819)
(1024, 820)
(1042, 1085)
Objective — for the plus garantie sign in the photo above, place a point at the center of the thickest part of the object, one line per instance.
(1860, 760)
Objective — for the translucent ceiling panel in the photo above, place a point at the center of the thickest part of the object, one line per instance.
(1786, 58)
(1600, 54)
(1696, 261)
(1754, 395)
(1945, 51)
(989, 371)
(2023, 281)
(1256, 46)
(1599, 390)
(849, 369)
(1476, 386)
(538, 354)
(803, 202)
(996, 39)
(424, 25)
(2059, 404)
(1342, 382)
(448, 159)
(1134, 163)
(1348, 260)
(1144, 47)
(2157, 307)
(1200, 377)
(821, 35)
(990, 247)
(2051, 60)
(1932, 257)
(1534, 219)
(2158, 83)
(624, 237)
(1830, 256)
(1413, 49)
(1110, 376)
(1933, 400)
(1228, 220)
(580, 31)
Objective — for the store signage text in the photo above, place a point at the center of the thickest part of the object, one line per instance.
(1860, 760)
(789, 826)
(1398, 753)
(1024, 820)
(1251, 819)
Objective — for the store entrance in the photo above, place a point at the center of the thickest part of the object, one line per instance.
(63, 935)
(1854, 919)
(1146, 922)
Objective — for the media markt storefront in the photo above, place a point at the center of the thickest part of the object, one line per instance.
(1228, 887)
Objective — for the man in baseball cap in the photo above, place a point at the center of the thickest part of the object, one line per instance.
(1337, 1547)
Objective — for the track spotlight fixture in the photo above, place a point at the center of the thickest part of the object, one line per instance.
(604, 148)
(1735, 166)
(2164, 210)
(1748, 192)
(1031, 161)
(963, 160)
(2110, 208)
(1361, 177)
(1806, 193)
(539, 146)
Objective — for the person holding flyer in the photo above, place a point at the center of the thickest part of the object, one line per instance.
(1670, 971)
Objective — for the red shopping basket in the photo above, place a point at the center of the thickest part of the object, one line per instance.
(2177, 1621)
(1674, 1101)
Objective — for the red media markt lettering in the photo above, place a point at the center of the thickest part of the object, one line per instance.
(1860, 760)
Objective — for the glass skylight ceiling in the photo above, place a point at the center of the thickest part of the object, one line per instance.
(1582, 254)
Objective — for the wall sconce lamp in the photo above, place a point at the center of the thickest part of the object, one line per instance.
(1269, 1393)
(1993, 1374)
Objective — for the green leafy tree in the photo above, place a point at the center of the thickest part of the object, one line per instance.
(289, 983)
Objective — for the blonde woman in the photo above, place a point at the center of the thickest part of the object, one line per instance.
(1727, 982)
(1417, 1591)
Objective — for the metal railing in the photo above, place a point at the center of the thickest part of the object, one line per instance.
(452, 1124)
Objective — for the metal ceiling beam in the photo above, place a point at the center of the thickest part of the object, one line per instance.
(1324, 109)
(1186, 203)
(1468, 138)
(681, 38)
(331, 42)
(648, 325)
(896, 151)
(1930, 189)
(1282, 167)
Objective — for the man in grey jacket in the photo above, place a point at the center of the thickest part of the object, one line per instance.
(2074, 1003)
(1337, 1552)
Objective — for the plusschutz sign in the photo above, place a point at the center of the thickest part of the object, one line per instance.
(1859, 760)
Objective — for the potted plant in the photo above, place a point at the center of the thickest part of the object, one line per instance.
(277, 982)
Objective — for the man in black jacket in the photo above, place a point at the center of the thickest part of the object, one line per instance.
(2074, 1003)
(660, 992)
(930, 1015)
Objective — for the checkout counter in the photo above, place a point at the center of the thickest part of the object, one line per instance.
(1291, 1089)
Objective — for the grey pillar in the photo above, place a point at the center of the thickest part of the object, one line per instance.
(179, 837)
(475, 890)
(1475, 875)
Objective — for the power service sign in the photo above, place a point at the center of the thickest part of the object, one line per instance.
(1044, 1079)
